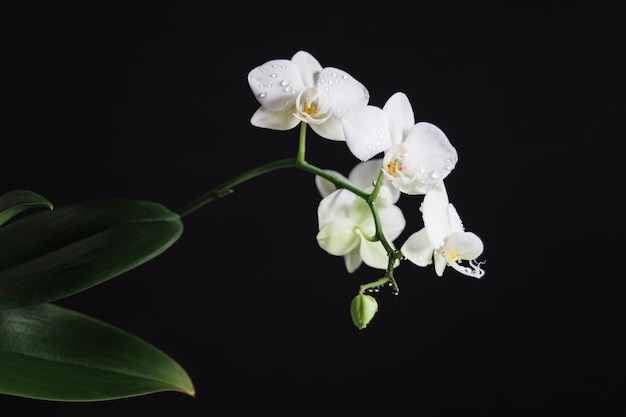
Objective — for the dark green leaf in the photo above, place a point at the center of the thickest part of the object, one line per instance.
(50, 255)
(15, 202)
(50, 352)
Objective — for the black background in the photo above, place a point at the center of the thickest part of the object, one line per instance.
(149, 100)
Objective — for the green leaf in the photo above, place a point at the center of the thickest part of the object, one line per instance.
(53, 353)
(15, 202)
(50, 255)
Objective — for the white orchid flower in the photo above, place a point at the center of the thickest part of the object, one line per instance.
(417, 155)
(301, 90)
(345, 220)
(443, 238)
(423, 159)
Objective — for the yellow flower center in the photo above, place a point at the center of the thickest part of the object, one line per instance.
(452, 256)
(310, 109)
(313, 106)
(395, 168)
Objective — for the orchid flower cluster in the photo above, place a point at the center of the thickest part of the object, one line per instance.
(50, 252)
(357, 215)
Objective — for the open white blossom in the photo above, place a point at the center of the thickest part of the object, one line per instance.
(417, 155)
(423, 159)
(345, 220)
(301, 90)
(443, 238)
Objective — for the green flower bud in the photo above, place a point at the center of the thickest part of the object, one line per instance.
(362, 309)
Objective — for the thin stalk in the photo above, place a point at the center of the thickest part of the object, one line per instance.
(377, 283)
(226, 187)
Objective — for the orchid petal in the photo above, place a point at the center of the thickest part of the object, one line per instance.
(456, 225)
(334, 206)
(432, 157)
(392, 221)
(276, 84)
(418, 249)
(463, 245)
(279, 120)
(352, 260)
(374, 254)
(435, 215)
(388, 189)
(347, 93)
(331, 129)
(367, 132)
(338, 237)
(360, 213)
(365, 173)
(309, 67)
(401, 118)
(440, 263)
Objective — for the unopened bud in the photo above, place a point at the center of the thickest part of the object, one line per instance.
(362, 309)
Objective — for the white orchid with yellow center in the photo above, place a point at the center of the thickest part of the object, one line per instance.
(443, 238)
(417, 155)
(346, 225)
(301, 90)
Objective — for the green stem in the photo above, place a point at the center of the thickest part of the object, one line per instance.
(392, 260)
(374, 284)
(302, 143)
(226, 187)
(302, 164)
(371, 202)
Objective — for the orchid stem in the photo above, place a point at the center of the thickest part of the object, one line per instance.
(226, 188)
(375, 284)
